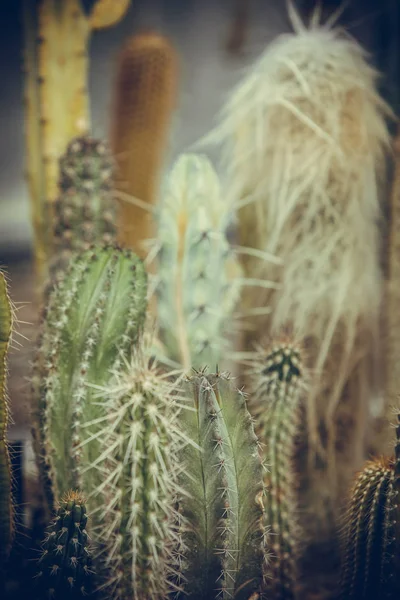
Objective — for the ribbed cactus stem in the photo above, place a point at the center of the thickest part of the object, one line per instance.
(280, 384)
(85, 210)
(366, 534)
(199, 278)
(6, 505)
(65, 566)
(133, 502)
(145, 93)
(93, 320)
(223, 548)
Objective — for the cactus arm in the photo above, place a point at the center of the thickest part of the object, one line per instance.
(106, 13)
(6, 506)
(223, 515)
(145, 92)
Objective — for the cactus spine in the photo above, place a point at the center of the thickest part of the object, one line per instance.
(223, 549)
(137, 469)
(198, 275)
(94, 317)
(85, 208)
(56, 64)
(65, 566)
(279, 385)
(6, 506)
(145, 93)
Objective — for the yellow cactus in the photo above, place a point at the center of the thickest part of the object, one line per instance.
(56, 64)
(144, 99)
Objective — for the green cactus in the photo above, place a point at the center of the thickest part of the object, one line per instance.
(6, 505)
(367, 534)
(279, 391)
(65, 566)
(137, 469)
(85, 211)
(94, 317)
(223, 539)
(199, 277)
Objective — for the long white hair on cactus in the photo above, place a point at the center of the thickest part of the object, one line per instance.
(303, 141)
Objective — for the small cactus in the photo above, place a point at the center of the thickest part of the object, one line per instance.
(85, 209)
(6, 505)
(65, 566)
(136, 472)
(94, 317)
(199, 278)
(279, 392)
(366, 542)
(223, 540)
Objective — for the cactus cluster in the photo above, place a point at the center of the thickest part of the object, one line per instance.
(65, 566)
(198, 276)
(223, 549)
(93, 319)
(6, 505)
(85, 211)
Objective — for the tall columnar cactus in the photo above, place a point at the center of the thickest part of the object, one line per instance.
(223, 539)
(85, 210)
(136, 471)
(199, 278)
(145, 93)
(279, 378)
(65, 566)
(94, 318)
(56, 63)
(367, 565)
(6, 506)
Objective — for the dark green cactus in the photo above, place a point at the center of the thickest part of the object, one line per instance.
(279, 393)
(94, 318)
(135, 520)
(223, 541)
(85, 211)
(366, 534)
(6, 505)
(65, 566)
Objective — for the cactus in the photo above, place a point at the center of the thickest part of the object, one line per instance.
(366, 545)
(280, 383)
(136, 470)
(65, 566)
(223, 539)
(85, 209)
(145, 91)
(6, 505)
(57, 109)
(94, 317)
(199, 277)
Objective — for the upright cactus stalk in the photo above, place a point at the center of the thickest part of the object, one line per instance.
(368, 535)
(6, 505)
(56, 63)
(136, 471)
(199, 278)
(223, 545)
(65, 566)
(145, 93)
(93, 320)
(85, 209)
(278, 403)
